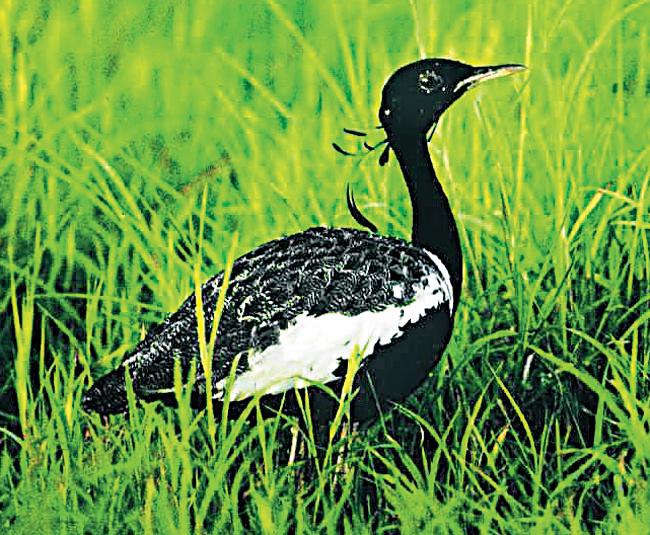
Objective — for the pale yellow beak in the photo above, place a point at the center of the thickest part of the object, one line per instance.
(488, 73)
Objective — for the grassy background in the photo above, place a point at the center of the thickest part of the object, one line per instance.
(141, 142)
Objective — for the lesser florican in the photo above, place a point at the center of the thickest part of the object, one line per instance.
(296, 307)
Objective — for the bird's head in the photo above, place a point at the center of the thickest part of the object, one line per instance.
(416, 95)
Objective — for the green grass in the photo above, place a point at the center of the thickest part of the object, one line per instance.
(143, 143)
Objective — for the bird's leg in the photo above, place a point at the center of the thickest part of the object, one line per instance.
(339, 465)
(297, 446)
(349, 433)
(295, 436)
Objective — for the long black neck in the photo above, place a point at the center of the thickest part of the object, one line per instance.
(434, 227)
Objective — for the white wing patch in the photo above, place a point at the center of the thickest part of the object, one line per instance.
(311, 347)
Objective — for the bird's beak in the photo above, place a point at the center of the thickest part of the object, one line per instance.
(481, 74)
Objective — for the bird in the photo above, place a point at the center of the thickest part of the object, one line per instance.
(296, 308)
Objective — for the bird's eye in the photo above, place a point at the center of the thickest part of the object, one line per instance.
(429, 81)
(386, 112)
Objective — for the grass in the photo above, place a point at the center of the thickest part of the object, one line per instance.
(144, 144)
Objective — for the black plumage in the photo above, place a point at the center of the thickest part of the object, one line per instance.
(315, 272)
(412, 289)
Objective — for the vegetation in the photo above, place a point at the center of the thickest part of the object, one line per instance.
(143, 144)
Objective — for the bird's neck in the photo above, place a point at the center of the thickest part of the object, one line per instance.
(434, 227)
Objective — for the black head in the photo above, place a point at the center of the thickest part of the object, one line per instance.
(416, 95)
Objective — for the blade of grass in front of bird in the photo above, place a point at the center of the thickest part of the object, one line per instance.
(521, 417)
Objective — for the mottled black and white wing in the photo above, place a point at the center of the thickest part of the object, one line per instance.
(294, 310)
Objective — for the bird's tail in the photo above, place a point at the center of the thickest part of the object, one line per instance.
(108, 394)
